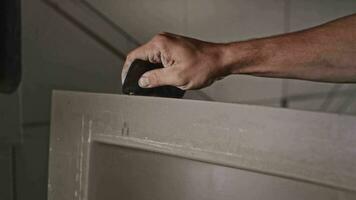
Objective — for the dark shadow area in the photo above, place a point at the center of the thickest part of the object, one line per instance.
(10, 47)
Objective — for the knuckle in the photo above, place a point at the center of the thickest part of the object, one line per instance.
(130, 56)
(158, 37)
(153, 78)
(181, 79)
(160, 40)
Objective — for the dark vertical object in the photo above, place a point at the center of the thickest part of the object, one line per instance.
(10, 45)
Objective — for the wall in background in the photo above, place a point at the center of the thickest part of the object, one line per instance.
(304, 14)
(218, 21)
(231, 20)
(56, 55)
(59, 55)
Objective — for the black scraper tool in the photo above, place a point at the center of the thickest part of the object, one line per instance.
(137, 69)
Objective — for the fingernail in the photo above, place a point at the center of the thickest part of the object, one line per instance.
(144, 82)
(123, 75)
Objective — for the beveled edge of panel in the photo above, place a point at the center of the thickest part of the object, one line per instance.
(107, 118)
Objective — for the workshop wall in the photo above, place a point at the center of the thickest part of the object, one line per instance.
(231, 20)
(58, 55)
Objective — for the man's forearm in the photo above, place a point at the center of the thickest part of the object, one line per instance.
(324, 53)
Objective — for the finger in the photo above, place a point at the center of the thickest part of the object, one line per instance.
(158, 77)
(141, 52)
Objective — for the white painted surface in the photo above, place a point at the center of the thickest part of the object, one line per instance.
(300, 149)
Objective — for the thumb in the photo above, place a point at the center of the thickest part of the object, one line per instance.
(157, 77)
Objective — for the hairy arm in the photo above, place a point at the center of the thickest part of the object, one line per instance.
(325, 53)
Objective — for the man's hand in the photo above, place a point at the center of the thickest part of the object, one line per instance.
(325, 53)
(188, 63)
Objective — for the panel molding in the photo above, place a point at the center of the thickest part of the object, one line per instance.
(305, 146)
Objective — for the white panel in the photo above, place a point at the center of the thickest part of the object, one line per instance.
(312, 150)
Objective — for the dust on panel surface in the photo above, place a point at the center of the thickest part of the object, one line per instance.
(125, 173)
